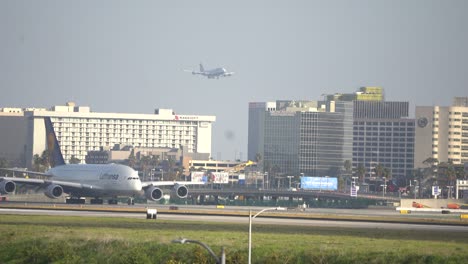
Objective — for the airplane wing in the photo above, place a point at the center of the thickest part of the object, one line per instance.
(193, 72)
(39, 182)
(153, 192)
(35, 173)
(168, 183)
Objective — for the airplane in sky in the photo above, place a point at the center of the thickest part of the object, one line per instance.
(211, 74)
(90, 180)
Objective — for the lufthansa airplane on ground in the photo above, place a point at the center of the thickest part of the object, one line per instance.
(211, 74)
(90, 180)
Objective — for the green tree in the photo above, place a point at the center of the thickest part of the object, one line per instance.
(74, 160)
(145, 165)
(171, 174)
(379, 170)
(132, 162)
(361, 172)
(347, 166)
(45, 160)
(37, 162)
(258, 157)
(3, 163)
(387, 173)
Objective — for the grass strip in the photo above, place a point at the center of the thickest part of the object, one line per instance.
(68, 239)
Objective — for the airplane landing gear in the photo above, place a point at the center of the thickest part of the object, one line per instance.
(75, 200)
(113, 201)
(96, 201)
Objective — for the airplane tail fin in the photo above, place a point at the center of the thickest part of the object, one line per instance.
(201, 68)
(55, 155)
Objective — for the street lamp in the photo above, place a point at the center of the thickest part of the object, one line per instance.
(415, 189)
(152, 174)
(250, 225)
(320, 183)
(384, 186)
(221, 260)
(290, 181)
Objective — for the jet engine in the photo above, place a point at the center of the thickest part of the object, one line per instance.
(180, 191)
(54, 191)
(7, 187)
(153, 193)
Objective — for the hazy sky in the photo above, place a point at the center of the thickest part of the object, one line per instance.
(129, 56)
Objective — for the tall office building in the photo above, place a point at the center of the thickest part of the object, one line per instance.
(256, 127)
(442, 133)
(388, 141)
(382, 132)
(308, 137)
(79, 130)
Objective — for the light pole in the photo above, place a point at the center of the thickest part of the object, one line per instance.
(152, 174)
(300, 180)
(250, 225)
(415, 189)
(162, 174)
(290, 181)
(353, 189)
(384, 186)
(221, 260)
(320, 184)
(354, 180)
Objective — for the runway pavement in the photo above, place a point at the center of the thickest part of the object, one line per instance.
(361, 224)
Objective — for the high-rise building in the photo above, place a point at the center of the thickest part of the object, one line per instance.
(442, 133)
(310, 137)
(382, 132)
(367, 93)
(256, 128)
(79, 130)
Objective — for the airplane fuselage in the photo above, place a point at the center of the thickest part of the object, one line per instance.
(101, 180)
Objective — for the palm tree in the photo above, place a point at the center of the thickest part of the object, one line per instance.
(347, 166)
(446, 174)
(379, 170)
(361, 171)
(387, 173)
(258, 157)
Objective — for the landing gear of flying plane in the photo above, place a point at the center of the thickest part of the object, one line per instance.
(96, 201)
(130, 201)
(75, 200)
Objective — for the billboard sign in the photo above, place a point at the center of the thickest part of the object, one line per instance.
(219, 177)
(198, 176)
(319, 183)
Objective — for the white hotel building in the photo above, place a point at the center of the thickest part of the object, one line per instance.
(442, 133)
(79, 130)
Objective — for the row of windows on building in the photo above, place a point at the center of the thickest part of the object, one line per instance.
(110, 121)
(384, 124)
